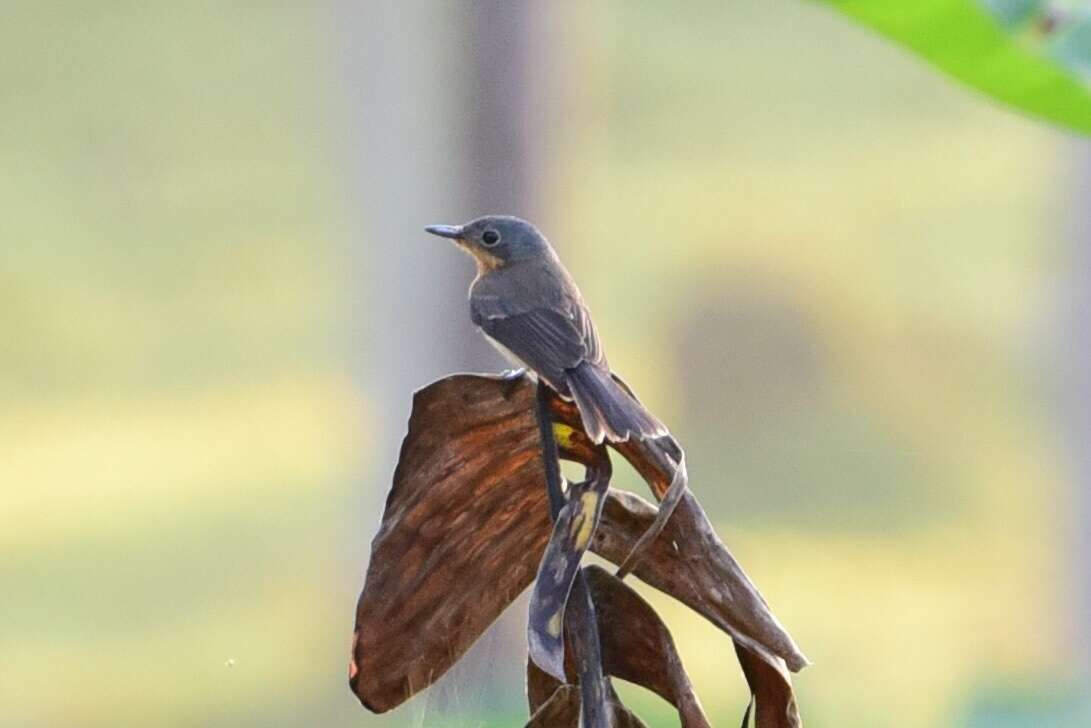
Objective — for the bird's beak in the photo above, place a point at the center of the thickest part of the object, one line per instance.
(454, 232)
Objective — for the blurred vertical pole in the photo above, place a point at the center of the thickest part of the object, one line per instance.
(1075, 369)
(505, 98)
(403, 143)
(444, 121)
(442, 124)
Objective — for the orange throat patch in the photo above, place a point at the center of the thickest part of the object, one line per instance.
(486, 262)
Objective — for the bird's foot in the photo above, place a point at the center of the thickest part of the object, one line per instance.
(510, 378)
(513, 375)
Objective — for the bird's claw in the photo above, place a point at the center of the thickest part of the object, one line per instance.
(513, 375)
(510, 378)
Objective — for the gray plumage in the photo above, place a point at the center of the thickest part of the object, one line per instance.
(525, 301)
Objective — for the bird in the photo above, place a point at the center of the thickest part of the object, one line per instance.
(527, 305)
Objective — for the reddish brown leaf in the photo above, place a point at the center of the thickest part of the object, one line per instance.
(775, 704)
(690, 563)
(638, 647)
(553, 705)
(464, 527)
(561, 709)
(635, 646)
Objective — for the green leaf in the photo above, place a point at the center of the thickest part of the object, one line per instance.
(1034, 55)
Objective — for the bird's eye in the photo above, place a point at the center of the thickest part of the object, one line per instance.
(490, 237)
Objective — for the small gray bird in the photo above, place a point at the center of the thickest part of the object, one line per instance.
(528, 306)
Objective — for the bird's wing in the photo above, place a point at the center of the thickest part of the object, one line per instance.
(591, 338)
(548, 340)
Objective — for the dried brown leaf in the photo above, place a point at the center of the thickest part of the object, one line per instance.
(774, 702)
(463, 531)
(638, 647)
(689, 562)
(560, 564)
(466, 523)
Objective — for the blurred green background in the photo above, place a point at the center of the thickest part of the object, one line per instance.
(840, 277)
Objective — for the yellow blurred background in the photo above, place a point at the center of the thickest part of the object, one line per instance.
(841, 278)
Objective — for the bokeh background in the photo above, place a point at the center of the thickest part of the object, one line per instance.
(859, 293)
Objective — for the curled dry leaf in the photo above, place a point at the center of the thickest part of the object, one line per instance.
(575, 515)
(586, 651)
(774, 702)
(572, 533)
(638, 647)
(466, 523)
(635, 646)
(561, 709)
(687, 560)
(712, 584)
(690, 563)
(667, 504)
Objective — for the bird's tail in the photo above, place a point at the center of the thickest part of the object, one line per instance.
(608, 408)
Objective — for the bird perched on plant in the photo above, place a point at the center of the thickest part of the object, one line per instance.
(528, 306)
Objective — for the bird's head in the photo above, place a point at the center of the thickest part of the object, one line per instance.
(495, 240)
